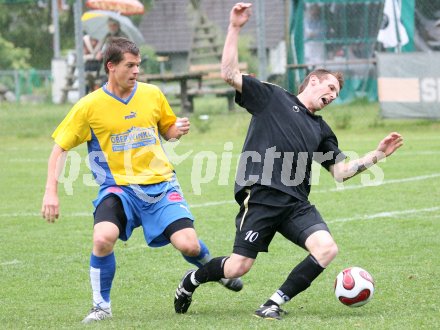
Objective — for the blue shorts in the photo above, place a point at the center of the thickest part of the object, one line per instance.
(154, 207)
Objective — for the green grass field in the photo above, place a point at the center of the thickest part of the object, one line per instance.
(391, 229)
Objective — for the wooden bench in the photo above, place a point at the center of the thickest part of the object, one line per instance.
(212, 83)
(186, 103)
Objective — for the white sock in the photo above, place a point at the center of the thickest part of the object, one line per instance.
(279, 297)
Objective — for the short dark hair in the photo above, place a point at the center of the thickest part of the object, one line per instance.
(322, 74)
(115, 50)
(113, 21)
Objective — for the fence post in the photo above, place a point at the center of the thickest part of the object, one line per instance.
(17, 86)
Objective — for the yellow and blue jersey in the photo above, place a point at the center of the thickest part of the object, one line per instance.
(123, 135)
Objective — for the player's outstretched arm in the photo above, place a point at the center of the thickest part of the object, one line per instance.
(230, 71)
(50, 207)
(343, 171)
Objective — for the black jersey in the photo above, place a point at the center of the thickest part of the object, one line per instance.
(282, 140)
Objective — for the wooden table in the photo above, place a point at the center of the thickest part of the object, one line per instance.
(183, 79)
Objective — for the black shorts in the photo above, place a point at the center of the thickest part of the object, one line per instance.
(265, 211)
(111, 210)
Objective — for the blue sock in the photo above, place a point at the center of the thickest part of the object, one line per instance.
(202, 258)
(102, 272)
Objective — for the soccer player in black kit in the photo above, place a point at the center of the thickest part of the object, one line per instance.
(273, 177)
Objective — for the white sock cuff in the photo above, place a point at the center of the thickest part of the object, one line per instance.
(279, 297)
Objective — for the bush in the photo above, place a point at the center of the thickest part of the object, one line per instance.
(12, 57)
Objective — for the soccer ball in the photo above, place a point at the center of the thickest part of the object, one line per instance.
(354, 287)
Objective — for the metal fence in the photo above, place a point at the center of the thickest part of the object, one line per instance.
(339, 35)
(25, 85)
(345, 35)
(427, 25)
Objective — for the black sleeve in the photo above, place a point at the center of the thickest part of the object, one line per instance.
(255, 95)
(329, 146)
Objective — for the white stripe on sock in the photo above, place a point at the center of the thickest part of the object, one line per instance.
(193, 279)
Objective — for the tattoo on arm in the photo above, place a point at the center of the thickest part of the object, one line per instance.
(358, 167)
(362, 165)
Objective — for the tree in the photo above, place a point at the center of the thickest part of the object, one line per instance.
(26, 25)
(12, 57)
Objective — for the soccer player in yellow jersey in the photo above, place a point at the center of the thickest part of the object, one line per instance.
(123, 124)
